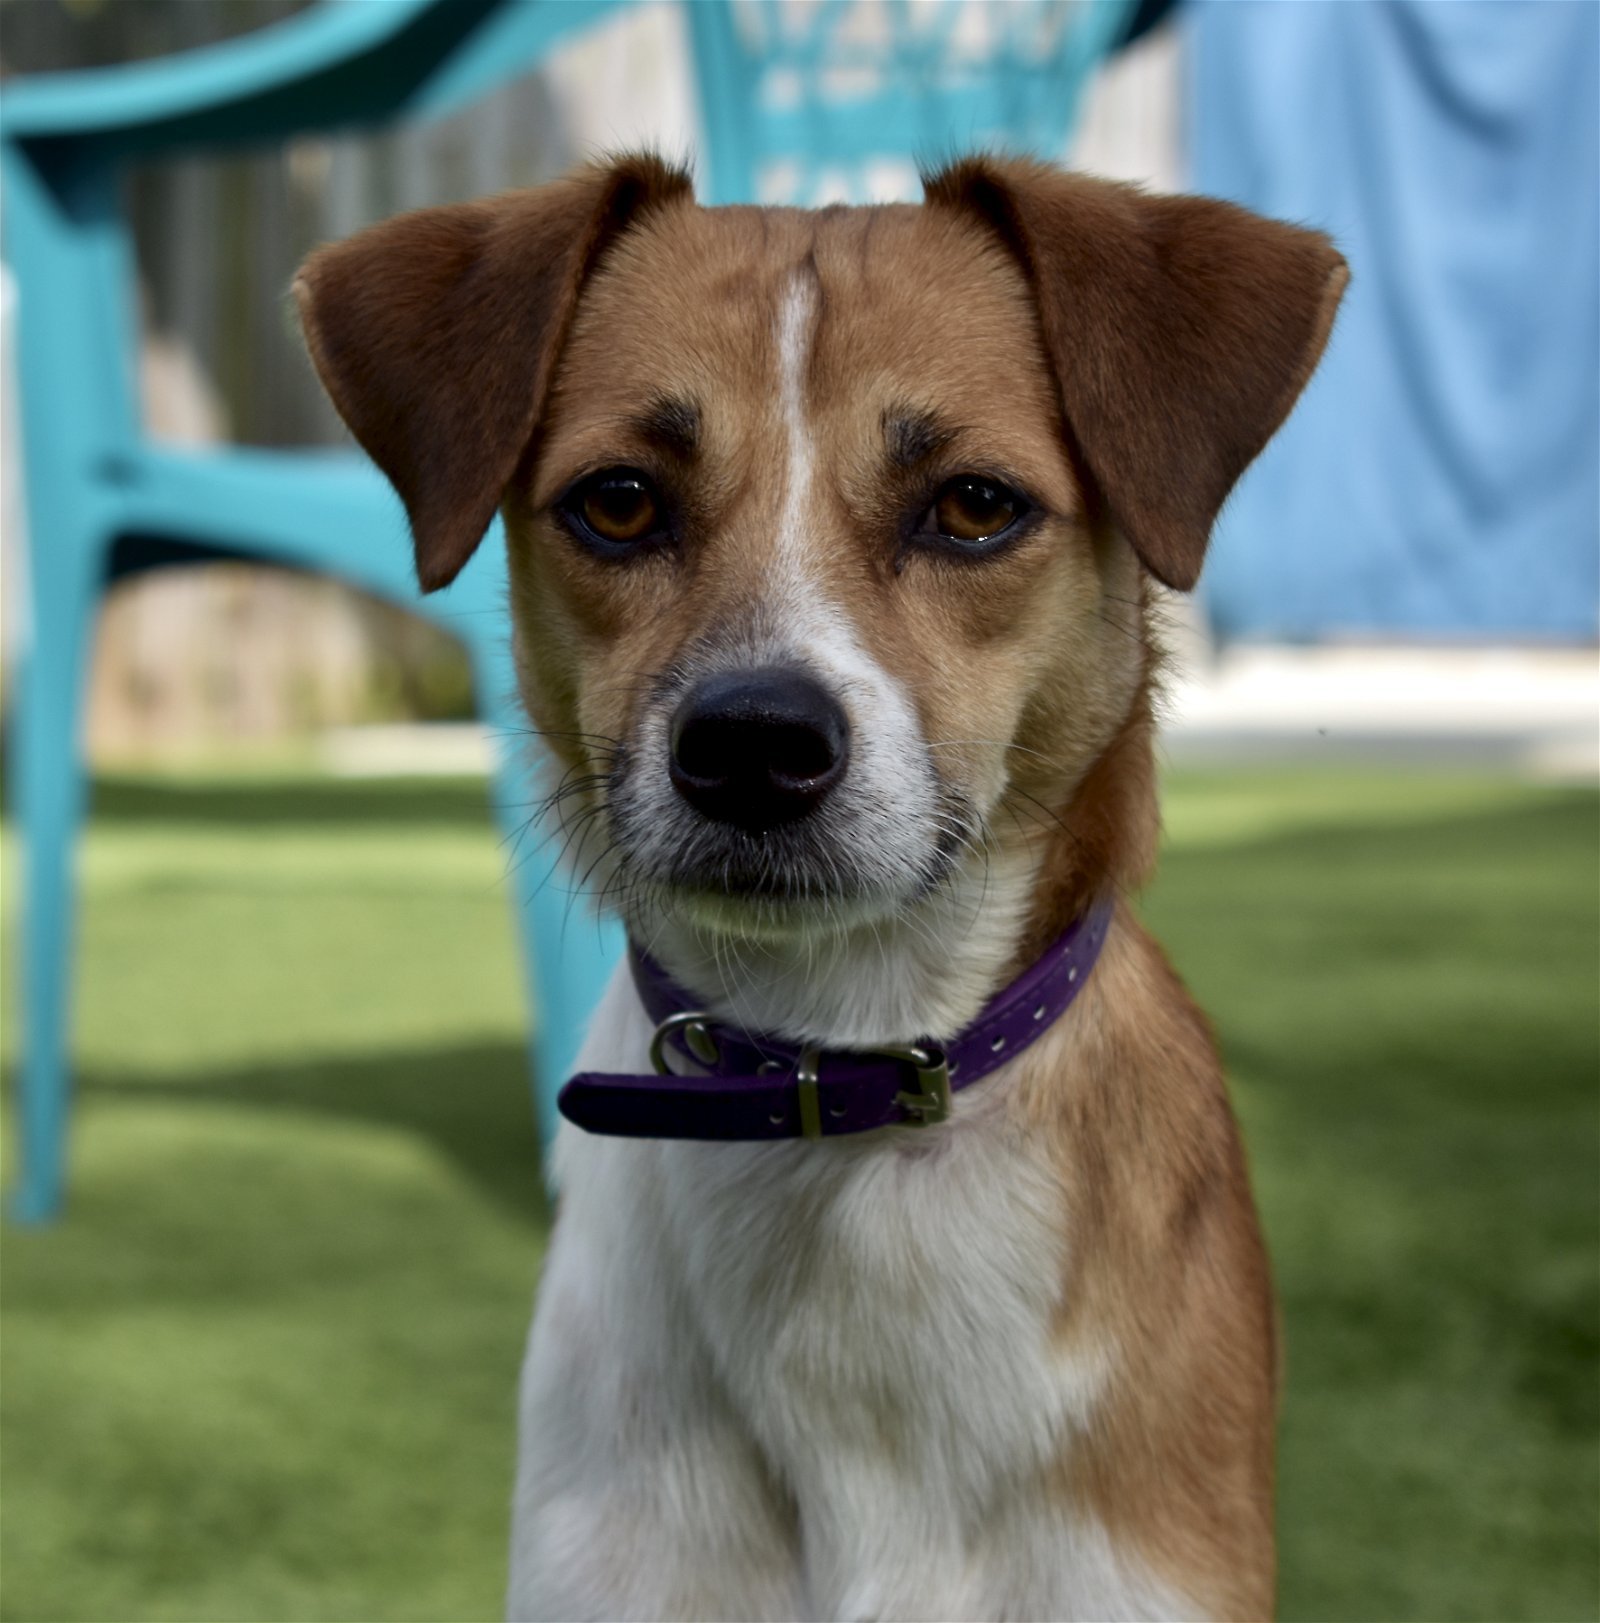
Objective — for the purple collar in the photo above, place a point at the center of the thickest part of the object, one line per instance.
(756, 1087)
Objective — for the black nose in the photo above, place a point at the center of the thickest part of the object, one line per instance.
(758, 748)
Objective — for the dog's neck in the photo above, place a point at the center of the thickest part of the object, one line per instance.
(928, 972)
(925, 973)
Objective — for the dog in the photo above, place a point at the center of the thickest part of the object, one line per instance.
(832, 547)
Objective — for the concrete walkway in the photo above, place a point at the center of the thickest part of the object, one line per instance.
(1530, 711)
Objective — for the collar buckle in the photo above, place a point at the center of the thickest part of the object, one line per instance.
(931, 1103)
(695, 1024)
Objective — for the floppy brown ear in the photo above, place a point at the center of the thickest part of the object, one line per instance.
(436, 334)
(1181, 330)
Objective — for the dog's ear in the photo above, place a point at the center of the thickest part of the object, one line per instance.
(1180, 330)
(436, 334)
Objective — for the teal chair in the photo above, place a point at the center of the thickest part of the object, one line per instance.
(802, 93)
(841, 100)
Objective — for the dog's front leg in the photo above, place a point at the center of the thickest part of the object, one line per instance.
(639, 1493)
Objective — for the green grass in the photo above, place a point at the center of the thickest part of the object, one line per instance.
(264, 1368)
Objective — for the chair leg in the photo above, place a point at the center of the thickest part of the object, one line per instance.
(567, 952)
(48, 782)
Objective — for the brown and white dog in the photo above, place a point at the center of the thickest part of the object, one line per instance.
(921, 463)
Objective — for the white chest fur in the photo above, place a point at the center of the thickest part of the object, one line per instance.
(798, 1381)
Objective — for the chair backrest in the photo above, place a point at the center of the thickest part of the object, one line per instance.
(66, 139)
(818, 101)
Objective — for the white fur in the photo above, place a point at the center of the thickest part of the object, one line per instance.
(806, 1381)
(801, 1380)
(794, 349)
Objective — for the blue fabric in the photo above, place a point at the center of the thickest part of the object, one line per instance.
(1441, 476)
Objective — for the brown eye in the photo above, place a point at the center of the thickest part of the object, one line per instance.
(618, 506)
(974, 509)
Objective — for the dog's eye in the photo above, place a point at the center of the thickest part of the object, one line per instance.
(618, 506)
(975, 509)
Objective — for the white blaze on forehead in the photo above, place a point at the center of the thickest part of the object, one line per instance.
(808, 614)
(795, 328)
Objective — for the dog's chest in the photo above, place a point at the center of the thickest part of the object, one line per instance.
(891, 1293)
(883, 1306)
(870, 1331)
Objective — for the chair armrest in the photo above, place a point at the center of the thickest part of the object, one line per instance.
(344, 62)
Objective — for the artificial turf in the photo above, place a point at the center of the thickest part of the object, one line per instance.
(264, 1367)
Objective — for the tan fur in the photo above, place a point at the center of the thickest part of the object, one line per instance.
(437, 331)
(698, 322)
(1121, 357)
(1170, 1270)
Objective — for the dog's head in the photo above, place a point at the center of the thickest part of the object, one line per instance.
(828, 531)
